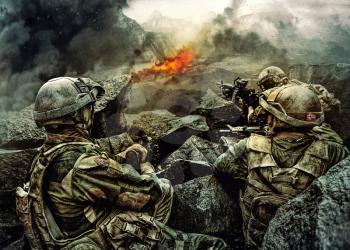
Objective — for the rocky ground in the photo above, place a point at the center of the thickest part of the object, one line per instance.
(177, 115)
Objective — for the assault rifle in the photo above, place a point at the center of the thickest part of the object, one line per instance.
(239, 89)
(244, 130)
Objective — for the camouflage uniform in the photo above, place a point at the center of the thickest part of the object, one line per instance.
(81, 197)
(85, 189)
(276, 168)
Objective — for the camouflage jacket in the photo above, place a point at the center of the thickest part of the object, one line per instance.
(275, 170)
(83, 184)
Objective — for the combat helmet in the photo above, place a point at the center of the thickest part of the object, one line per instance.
(60, 99)
(271, 77)
(292, 106)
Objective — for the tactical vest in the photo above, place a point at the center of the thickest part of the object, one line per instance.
(122, 229)
(270, 186)
(38, 222)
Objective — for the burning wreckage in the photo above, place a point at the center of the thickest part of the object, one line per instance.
(179, 112)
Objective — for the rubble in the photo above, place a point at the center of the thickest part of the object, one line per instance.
(319, 218)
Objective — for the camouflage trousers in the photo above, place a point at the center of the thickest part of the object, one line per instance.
(135, 230)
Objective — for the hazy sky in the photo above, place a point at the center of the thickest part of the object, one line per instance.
(311, 17)
(196, 10)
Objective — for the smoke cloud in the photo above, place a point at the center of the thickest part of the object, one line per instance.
(41, 39)
(315, 31)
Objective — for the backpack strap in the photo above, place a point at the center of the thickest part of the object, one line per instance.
(48, 228)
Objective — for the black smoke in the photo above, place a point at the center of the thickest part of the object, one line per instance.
(41, 39)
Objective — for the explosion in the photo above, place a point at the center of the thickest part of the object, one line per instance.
(180, 63)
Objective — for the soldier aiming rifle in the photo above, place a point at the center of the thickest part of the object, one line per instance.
(240, 94)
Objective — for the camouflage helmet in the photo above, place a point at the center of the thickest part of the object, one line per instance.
(60, 97)
(271, 77)
(294, 105)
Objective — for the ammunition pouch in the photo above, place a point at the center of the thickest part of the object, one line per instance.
(132, 231)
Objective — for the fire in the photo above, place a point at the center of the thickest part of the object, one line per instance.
(180, 63)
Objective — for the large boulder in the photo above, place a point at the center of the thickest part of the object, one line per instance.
(217, 109)
(19, 131)
(193, 159)
(203, 206)
(319, 218)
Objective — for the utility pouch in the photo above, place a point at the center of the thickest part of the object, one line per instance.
(24, 214)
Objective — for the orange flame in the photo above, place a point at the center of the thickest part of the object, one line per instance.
(177, 64)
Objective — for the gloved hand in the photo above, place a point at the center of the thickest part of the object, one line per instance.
(139, 149)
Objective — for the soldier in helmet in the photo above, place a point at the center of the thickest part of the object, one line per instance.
(277, 167)
(273, 76)
(81, 197)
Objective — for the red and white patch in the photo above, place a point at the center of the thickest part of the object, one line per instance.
(311, 117)
(101, 161)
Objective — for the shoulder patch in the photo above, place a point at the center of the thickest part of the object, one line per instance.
(259, 143)
(101, 160)
(87, 162)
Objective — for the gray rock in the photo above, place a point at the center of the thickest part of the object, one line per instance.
(196, 149)
(203, 206)
(319, 218)
(217, 109)
(193, 159)
(19, 130)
